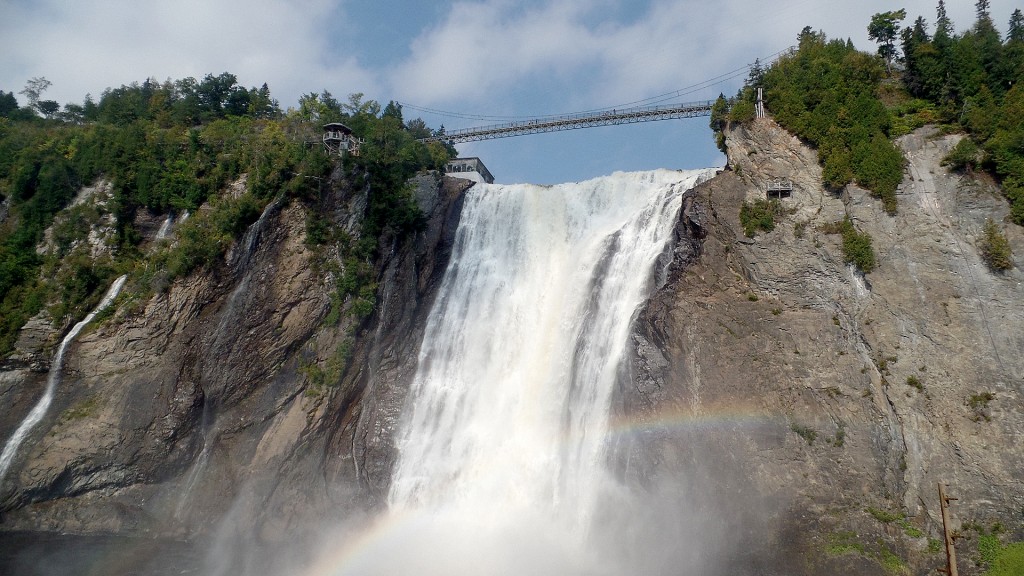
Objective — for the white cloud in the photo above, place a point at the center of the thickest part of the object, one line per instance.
(483, 47)
(486, 48)
(88, 46)
(490, 56)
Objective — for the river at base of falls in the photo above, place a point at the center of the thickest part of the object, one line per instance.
(49, 554)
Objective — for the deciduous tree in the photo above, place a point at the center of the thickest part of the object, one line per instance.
(883, 29)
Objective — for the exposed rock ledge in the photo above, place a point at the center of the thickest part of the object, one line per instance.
(784, 373)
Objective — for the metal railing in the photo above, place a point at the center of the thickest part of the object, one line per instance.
(575, 121)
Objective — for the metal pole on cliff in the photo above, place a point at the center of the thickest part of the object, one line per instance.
(950, 551)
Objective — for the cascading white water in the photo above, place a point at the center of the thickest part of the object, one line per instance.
(501, 467)
(165, 227)
(52, 381)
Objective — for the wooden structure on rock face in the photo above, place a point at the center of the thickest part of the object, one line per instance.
(780, 188)
(339, 140)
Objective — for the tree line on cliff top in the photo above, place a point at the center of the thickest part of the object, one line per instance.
(851, 104)
(168, 147)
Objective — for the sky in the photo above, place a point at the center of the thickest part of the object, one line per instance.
(484, 58)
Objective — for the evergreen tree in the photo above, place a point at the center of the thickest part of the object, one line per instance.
(1011, 69)
(393, 110)
(756, 75)
(982, 8)
(1015, 31)
(988, 47)
(8, 104)
(917, 55)
(943, 26)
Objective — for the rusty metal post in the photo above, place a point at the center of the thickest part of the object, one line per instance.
(947, 532)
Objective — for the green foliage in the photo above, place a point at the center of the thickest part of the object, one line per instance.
(883, 516)
(892, 563)
(995, 248)
(878, 166)
(989, 548)
(884, 28)
(761, 214)
(742, 111)
(825, 93)
(840, 543)
(807, 433)
(978, 403)
(719, 117)
(857, 248)
(1009, 561)
(175, 146)
(322, 378)
(87, 408)
(915, 382)
(973, 80)
(964, 157)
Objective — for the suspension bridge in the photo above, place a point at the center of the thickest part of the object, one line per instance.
(540, 124)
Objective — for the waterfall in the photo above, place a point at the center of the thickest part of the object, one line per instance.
(199, 465)
(52, 381)
(165, 227)
(501, 467)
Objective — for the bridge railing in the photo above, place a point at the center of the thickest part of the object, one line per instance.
(575, 121)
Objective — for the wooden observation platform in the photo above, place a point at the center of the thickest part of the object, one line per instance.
(780, 188)
(339, 140)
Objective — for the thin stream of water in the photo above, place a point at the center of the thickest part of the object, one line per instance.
(52, 381)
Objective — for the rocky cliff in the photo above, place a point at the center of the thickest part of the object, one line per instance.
(787, 413)
(230, 393)
(813, 409)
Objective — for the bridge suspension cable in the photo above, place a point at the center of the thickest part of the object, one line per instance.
(540, 124)
(657, 99)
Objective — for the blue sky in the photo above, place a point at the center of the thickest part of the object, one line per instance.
(498, 58)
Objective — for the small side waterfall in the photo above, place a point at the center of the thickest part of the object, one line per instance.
(165, 227)
(231, 316)
(52, 381)
(502, 462)
(199, 465)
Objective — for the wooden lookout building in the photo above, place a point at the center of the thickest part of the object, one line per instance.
(338, 139)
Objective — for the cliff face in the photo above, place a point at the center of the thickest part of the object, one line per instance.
(198, 402)
(814, 409)
(784, 412)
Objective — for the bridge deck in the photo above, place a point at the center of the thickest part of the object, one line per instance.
(575, 121)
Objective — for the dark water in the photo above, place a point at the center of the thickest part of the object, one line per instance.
(49, 554)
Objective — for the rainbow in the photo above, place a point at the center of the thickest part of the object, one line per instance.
(360, 551)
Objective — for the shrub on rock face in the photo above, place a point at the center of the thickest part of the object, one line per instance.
(760, 214)
(995, 248)
(964, 157)
(742, 111)
(857, 249)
